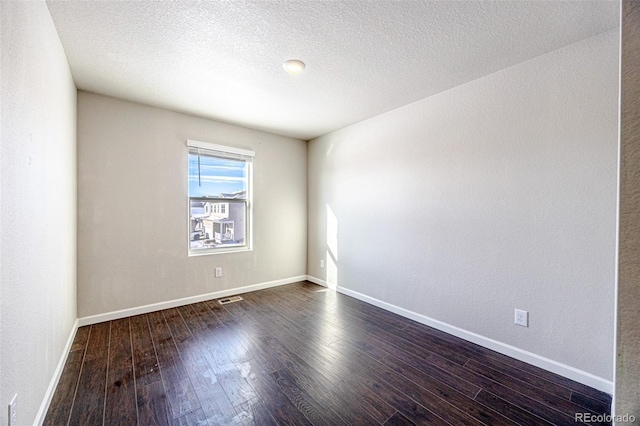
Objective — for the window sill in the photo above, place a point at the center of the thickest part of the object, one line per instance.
(207, 252)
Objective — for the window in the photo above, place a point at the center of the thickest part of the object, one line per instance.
(219, 198)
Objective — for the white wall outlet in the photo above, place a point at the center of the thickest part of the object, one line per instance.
(13, 414)
(322, 263)
(218, 272)
(522, 318)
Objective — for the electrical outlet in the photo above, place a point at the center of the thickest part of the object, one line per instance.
(13, 415)
(322, 263)
(522, 318)
(218, 272)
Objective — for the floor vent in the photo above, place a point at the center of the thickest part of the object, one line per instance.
(230, 300)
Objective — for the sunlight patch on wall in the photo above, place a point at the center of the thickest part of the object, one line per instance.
(332, 249)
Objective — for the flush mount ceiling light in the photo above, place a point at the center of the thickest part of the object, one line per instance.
(293, 66)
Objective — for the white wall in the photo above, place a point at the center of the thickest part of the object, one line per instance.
(132, 207)
(495, 195)
(38, 206)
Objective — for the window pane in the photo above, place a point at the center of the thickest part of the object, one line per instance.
(217, 224)
(217, 177)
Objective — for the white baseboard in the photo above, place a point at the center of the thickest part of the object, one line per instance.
(123, 313)
(505, 349)
(317, 281)
(48, 396)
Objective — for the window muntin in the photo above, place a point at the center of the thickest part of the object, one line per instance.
(219, 198)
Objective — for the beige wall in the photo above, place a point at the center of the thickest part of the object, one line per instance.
(627, 396)
(132, 207)
(497, 194)
(37, 206)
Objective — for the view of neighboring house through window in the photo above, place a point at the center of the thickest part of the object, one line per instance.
(219, 198)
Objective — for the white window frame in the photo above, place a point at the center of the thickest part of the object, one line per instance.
(230, 153)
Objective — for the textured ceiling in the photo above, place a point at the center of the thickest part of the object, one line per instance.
(223, 59)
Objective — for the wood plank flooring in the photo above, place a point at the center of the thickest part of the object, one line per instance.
(300, 355)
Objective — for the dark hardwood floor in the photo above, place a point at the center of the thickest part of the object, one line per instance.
(299, 355)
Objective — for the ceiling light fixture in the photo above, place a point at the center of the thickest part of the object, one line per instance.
(293, 66)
